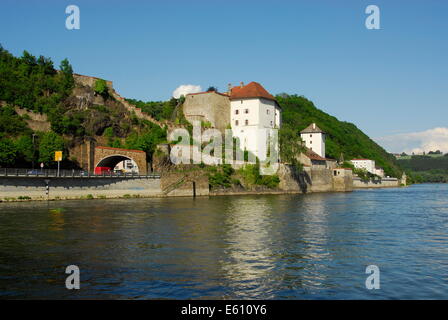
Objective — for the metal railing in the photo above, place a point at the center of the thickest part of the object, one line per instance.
(64, 173)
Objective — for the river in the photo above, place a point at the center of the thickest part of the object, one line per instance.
(314, 246)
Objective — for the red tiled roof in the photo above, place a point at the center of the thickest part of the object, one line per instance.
(313, 155)
(251, 90)
(120, 149)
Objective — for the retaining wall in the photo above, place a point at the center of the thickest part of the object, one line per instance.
(73, 188)
(383, 183)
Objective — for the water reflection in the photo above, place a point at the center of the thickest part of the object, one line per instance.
(249, 259)
(282, 247)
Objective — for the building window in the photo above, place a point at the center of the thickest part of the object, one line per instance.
(267, 111)
(246, 110)
(241, 101)
(311, 135)
(236, 122)
(311, 141)
(271, 123)
(237, 111)
(246, 122)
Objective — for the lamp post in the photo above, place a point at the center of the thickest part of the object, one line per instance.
(34, 150)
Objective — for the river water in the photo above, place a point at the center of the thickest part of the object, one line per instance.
(314, 246)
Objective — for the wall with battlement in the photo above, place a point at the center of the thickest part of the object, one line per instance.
(89, 81)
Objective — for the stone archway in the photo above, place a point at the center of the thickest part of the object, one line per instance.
(110, 157)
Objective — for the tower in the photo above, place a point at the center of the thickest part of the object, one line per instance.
(314, 139)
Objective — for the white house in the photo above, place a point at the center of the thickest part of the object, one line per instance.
(314, 139)
(365, 164)
(252, 109)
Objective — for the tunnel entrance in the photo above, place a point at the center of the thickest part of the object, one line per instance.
(110, 163)
(107, 158)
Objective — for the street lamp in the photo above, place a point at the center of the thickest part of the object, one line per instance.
(34, 150)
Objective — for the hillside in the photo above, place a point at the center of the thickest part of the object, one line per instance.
(427, 168)
(342, 137)
(75, 111)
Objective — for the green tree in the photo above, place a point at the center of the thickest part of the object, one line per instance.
(290, 147)
(67, 72)
(49, 143)
(8, 152)
(101, 88)
(25, 149)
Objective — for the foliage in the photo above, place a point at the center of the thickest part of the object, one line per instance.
(33, 83)
(342, 137)
(291, 145)
(426, 168)
(7, 152)
(101, 88)
(146, 140)
(221, 176)
(49, 143)
(11, 124)
(159, 110)
(251, 175)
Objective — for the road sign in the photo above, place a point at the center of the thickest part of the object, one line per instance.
(58, 156)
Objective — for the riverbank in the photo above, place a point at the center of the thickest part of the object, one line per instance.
(177, 184)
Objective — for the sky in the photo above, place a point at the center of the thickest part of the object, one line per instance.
(391, 83)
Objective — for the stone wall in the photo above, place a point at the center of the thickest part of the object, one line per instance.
(383, 183)
(89, 81)
(208, 107)
(36, 121)
(73, 188)
(342, 179)
(175, 184)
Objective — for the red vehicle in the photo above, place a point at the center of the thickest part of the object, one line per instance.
(102, 170)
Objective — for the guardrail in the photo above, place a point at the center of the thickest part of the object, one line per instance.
(53, 173)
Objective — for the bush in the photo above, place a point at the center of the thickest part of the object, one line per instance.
(101, 88)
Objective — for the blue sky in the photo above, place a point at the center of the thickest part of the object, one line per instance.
(388, 82)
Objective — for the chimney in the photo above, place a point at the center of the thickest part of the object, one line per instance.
(314, 126)
(229, 88)
(242, 84)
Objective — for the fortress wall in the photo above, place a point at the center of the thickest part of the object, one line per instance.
(211, 107)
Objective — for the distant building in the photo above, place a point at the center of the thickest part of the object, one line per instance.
(314, 139)
(368, 165)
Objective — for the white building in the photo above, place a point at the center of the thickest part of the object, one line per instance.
(379, 172)
(366, 164)
(253, 108)
(314, 139)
